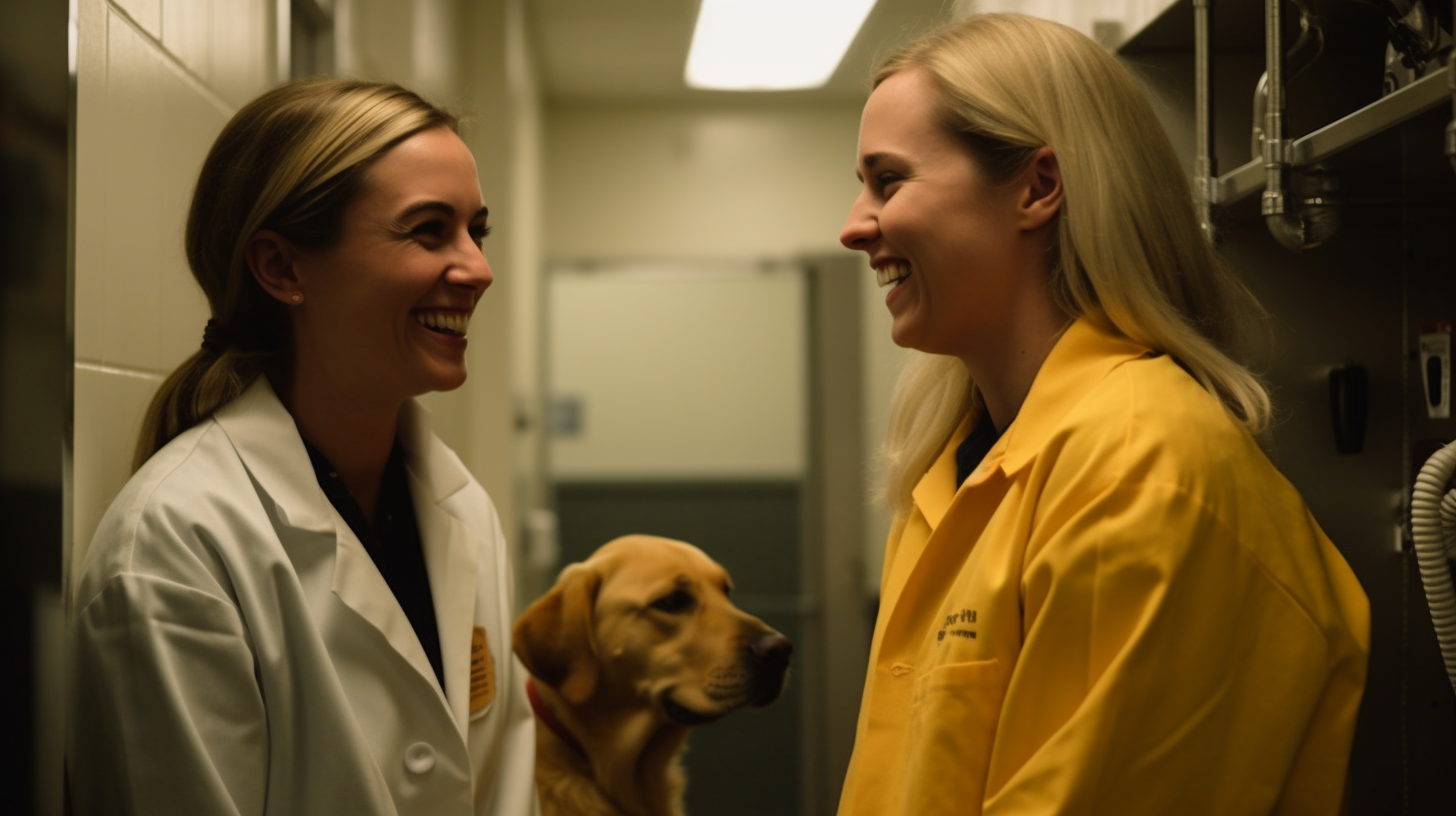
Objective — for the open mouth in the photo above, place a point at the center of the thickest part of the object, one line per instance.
(891, 273)
(453, 324)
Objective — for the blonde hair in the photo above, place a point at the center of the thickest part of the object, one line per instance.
(1130, 256)
(289, 161)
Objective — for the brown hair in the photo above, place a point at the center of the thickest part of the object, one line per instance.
(289, 161)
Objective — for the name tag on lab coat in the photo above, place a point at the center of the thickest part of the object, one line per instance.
(482, 672)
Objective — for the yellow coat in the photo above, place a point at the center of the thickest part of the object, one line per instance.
(1125, 609)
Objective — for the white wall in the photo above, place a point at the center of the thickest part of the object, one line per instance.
(681, 371)
(156, 80)
(643, 184)
(660, 182)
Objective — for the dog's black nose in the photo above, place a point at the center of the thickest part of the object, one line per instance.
(772, 649)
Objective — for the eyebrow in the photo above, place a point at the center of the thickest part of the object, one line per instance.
(869, 161)
(441, 207)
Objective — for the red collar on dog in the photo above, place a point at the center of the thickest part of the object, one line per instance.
(548, 717)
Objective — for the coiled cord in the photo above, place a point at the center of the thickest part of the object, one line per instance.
(1433, 529)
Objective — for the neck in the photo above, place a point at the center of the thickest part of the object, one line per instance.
(1004, 388)
(632, 752)
(547, 715)
(1004, 366)
(356, 436)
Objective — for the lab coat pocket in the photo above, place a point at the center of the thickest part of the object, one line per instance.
(954, 712)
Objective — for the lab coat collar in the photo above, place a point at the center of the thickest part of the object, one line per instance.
(1082, 356)
(450, 554)
(264, 435)
(267, 440)
(937, 488)
(437, 472)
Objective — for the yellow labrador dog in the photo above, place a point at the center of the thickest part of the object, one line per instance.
(629, 650)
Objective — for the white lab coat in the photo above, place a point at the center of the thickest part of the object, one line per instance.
(236, 650)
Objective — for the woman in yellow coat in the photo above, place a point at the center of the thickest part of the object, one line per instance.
(1098, 596)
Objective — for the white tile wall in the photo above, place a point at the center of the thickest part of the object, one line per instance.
(119, 284)
(110, 403)
(243, 49)
(156, 81)
(146, 13)
(187, 34)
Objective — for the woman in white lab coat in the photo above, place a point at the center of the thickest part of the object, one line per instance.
(300, 603)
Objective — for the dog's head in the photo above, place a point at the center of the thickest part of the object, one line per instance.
(647, 621)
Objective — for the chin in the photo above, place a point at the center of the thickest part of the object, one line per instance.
(905, 338)
(916, 338)
(442, 381)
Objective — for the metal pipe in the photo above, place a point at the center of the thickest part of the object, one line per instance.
(1274, 205)
(1313, 215)
(1205, 166)
(1306, 49)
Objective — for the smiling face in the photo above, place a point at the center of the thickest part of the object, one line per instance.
(948, 242)
(386, 308)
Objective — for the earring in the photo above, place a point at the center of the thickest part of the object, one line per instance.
(297, 298)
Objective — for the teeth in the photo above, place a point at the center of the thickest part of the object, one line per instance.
(892, 272)
(447, 322)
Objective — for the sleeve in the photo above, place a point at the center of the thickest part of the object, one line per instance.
(515, 790)
(166, 713)
(1162, 670)
(516, 794)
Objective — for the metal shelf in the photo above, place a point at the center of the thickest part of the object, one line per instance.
(1414, 99)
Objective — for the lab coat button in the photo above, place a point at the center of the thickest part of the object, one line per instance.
(420, 758)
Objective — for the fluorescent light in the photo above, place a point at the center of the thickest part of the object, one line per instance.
(771, 45)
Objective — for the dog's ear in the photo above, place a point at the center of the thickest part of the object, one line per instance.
(555, 637)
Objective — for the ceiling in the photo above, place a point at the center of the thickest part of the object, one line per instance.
(615, 51)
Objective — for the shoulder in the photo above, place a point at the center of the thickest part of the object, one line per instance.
(1153, 464)
(164, 522)
(1148, 443)
(1149, 421)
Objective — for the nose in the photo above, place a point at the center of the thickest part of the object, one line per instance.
(472, 270)
(861, 227)
(772, 649)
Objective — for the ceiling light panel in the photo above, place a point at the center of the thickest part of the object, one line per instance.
(771, 45)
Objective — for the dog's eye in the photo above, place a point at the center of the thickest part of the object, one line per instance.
(675, 602)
